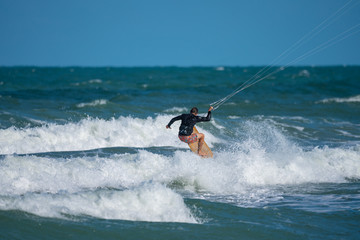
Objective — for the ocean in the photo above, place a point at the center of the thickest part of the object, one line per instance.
(84, 154)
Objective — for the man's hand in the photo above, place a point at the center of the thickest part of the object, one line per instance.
(210, 109)
(168, 127)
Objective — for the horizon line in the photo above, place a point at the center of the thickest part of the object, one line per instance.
(176, 66)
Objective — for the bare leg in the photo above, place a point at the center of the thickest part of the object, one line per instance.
(201, 140)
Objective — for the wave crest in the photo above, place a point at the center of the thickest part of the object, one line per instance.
(154, 203)
(93, 133)
(354, 99)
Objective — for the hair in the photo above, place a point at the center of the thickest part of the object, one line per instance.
(194, 110)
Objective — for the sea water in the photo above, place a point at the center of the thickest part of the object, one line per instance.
(84, 154)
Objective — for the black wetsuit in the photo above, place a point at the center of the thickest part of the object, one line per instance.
(188, 121)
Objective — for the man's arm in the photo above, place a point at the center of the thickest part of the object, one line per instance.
(173, 120)
(207, 118)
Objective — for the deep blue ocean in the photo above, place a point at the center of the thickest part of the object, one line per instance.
(84, 154)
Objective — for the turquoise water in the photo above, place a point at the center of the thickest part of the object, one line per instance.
(84, 154)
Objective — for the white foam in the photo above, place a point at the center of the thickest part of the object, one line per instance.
(95, 81)
(23, 174)
(154, 203)
(353, 99)
(94, 133)
(245, 173)
(176, 110)
(231, 171)
(93, 103)
(284, 125)
(215, 124)
(260, 158)
(230, 104)
(267, 158)
(346, 133)
(304, 73)
(91, 81)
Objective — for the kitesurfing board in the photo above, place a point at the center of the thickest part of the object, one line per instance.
(205, 148)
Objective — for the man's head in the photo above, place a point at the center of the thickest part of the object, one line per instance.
(194, 111)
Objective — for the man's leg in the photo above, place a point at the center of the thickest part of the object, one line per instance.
(201, 139)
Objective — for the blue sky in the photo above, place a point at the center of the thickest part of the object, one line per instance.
(174, 32)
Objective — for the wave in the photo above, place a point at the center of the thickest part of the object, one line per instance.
(229, 172)
(259, 154)
(93, 133)
(93, 103)
(353, 99)
(128, 185)
(177, 110)
(154, 203)
(149, 186)
(95, 81)
(91, 81)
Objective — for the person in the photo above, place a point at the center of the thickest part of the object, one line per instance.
(188, 122)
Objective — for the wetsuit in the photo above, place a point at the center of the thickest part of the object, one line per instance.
(188, 122)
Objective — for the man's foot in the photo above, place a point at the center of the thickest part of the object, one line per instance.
(200, 153)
